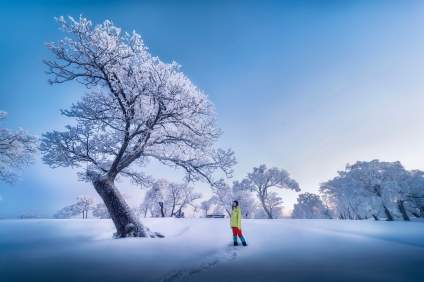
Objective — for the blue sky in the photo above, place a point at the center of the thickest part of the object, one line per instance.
(303, 85)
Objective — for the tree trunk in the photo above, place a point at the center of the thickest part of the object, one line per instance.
(422, 211)
(402, 210)
(267, 211)
(375, 217)
(388, 214)
(415, 214)
(162, 213)
(126, 223)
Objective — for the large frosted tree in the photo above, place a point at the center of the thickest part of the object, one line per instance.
(136, 108)
(375, 188)
(263, 180)
(17, 150)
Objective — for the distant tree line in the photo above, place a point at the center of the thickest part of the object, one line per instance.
(365, 190)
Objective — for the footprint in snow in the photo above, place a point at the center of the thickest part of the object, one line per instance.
(229, 253)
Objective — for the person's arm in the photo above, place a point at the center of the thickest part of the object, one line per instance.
(239, 218)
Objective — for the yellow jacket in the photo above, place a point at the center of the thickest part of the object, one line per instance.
(235, 219)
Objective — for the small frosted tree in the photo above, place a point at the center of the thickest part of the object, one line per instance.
(261, 180)
(206, 205)
(247, 201)
(137, 108)
(84, 205)
(151, 201)
(100, 211)
(167, 199)
(309, 205)
(65, 212)
(17, 150)
(224, 195)
(81, 207)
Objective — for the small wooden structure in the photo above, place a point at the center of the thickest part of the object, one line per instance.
(215, 216)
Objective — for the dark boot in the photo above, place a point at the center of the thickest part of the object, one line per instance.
(235, 240)
(243, 241)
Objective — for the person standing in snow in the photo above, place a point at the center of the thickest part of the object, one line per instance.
(235, 222)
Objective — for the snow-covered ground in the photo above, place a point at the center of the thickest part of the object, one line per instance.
(200, 250)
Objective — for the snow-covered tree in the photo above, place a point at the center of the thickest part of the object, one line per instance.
(309, 205)
(66, 212)
(17, 150)
(151, 200)
(206, 205)
(167, 199)
(373, 189)
(261, 180)
(100, 211)
(180, 196)
(197, 210)
(414, 199)
(247, 202)
(84, 205)
(137, 108)
(81, 207)
(224, 195)
(260, 214)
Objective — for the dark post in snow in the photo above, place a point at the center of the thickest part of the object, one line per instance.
(136, 108)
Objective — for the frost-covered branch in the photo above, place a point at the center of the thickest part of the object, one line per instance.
(17, 150)
(136, 108)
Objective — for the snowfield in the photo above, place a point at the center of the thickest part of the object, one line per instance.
(200, 250)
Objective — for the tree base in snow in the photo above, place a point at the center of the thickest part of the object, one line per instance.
(126, 223)
(132, 231)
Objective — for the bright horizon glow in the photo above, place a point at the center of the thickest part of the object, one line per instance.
(307, 86)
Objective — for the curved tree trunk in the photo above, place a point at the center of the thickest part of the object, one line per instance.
(402, 210)
(267, 211)
(388, 214)
(422, 211)
(126, 223)
(162, 213)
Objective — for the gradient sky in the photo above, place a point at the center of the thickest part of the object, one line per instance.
(303, 85)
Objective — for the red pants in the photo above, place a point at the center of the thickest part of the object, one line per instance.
(237, 231)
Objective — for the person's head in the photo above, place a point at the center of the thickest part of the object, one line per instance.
(235, 204)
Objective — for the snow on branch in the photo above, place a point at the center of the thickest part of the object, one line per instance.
(17, 149)
(136, 108)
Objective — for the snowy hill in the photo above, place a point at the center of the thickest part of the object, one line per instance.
(200, 250)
